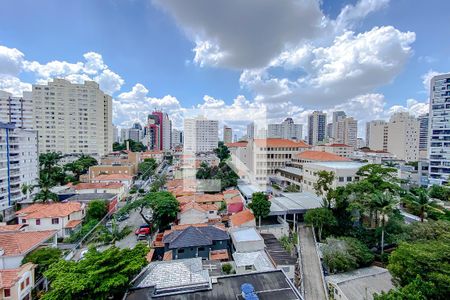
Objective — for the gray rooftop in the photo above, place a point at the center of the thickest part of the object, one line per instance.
(268, 286)
(362, 283)
(294, 203)
(86, 196)
(292, 170)
(246, 234)
(247, 190)
(195, 236)
(258, 259)
(276, 251)
(339, 164)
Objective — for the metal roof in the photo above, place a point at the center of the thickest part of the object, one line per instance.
(294, 203)
(258, 259)
(246, 234)
(195, 236)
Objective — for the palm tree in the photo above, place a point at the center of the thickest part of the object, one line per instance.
(384, 204)
(423, 202)
(45, 184)
(27, 189)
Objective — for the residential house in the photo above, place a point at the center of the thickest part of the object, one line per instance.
(246, 262)
(194, 241)
(17, 283)
(122, 158)
(128, 169)
(14, 246)
(234, 204)
(125, 179)
(63, 217)
(117, 188)
(246, 239)
(243, 218)
(193, 213)
(338, 149)
(359, 284)
(157, 155)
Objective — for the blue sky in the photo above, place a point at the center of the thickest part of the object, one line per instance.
(288, 57)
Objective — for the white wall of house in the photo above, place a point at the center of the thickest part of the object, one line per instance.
(57, 223)
(192, 216)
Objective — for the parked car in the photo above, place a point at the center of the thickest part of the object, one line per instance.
(141, 237)
(123, 217)
(143, 229)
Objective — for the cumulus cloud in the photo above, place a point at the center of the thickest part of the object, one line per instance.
(426, 78)
(11, 61)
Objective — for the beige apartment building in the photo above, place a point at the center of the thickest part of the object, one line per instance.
(399, 136)
(72, 118)
(347, 131)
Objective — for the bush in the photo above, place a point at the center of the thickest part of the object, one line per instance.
(226, 268)
(76, 236)
(96, 210)
(43, 258)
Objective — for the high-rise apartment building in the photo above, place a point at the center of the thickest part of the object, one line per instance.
(439, 130)
(72, 118)
(317, 122)
(251, 129)
(337, 115)
(177, 137)
(200, 135)
(346, 130)
(227, 134)
(423, 135)
(116, 137)
(399, 136)
(18, 151)
(158, 131)
(286, 130)
(136, 133)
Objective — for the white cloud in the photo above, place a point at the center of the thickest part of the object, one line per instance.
(94, 63)
(353, 13)
(11, 61)
(13, 85)
(109, 81)
(426, 78)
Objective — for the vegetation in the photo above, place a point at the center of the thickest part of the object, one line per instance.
(43, 258)
(96, 210)
(288, 242)
(99, 275)
(147, 168)
(384, 205)
(80, 166)
(260, 206)
(440, 192)
(223, 173)
(222, 152)
(420, 200)
(320, 217)
(227, 268)
(323, 186)
(345, 254)
(134, 146)
(164, 205)
(292, 188)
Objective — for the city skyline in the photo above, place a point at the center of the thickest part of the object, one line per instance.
(230, 83)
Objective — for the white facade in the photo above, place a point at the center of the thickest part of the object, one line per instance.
(72, 118)
(177, 137)
(338, 149)
(346, 130)
(17, 110)
(166, 132)
(227, 134)
(376, 135)
(337, 116)
(286, 130)
(439, 130)
(200, 135)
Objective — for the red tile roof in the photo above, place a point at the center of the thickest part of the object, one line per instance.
(149, 255)
(237, 144)
(274, 142)
(106, 177)
(22, 242)
(232, 192)
(338, 145)
(9, 277)
(219, 255)
(320, 156)
(72, 223)
(196, 206)
(167, 255)
(99, 185)
(241, 217)
(49, 210)
(235, 199)
(11, 228)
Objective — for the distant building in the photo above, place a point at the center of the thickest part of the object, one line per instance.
(135, 133)
(423, 135)
(251, 129)
(158, 131)
(200, 135)
(177, 137)
(360, 143)
(286, 130)
(346, 131)
(116, 137)
(72, 118)
(439, 130)
(227, 134)
(337, 116)
(317, 122)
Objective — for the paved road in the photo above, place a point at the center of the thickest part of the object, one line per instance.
(312, 269)
(135, 220)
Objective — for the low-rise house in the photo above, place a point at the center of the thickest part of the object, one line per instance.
(280, 258)
(338, 149)
(246, 262)
(125, 179)
(11, 228)
(194, 241)
(157, 155)
(359, 284)
(128, 169)
(14, 246)
(17, 283)
(63, 217)
(243, 218)
(246, 239)
(215, 199)
(192, 213)
(234, 204)
(112, 200)
(124, 157)
(117, 188)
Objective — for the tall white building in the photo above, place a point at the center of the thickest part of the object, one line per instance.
(72, 118)
(286, 130)
(18, 151)
(337, 115)
(251, 129)
(439, 130)
(399, 136)
(346, 130)
(423, 135)
(116, 138)
(227, 134)
(200, 135)
(177, 137)
(317, 122)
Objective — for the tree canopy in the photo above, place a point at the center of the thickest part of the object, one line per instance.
(134, 146)
(147, 168)
(80, 166)
(323, 186)
(260, 205)
(320, 217)
(43, 258)
(96, 210)
(99, 275)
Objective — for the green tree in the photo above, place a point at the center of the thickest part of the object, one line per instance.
(158, 182)
(429, 260)
(45, 183)
(99, 275)
(323, 186)
(164, 205)
(422, 202)
(260, 206)
(292, 188)
(134, 146)
(43, 258)
(384, 204)
(27, 189)
(440, 192)
(147, 168)
(320, 217)
(416, 290)
(80, 166)
(432, 230)
(222, 152)
(96, 210)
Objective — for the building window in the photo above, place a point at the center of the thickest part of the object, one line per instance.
(341, 179)
(248, 268)
(349, 178)
(22, 285)
(55, 221)
(24, 221)
(180, 250)
(7, 293)
(38, 221)
(27, 281)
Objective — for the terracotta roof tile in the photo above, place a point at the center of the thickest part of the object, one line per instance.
(241, 217)
(235, 199)
(99, 185)
(149, 255)
(49, 210)
(167, 255)
(72, 223)
(320, 156)
(9, 277)
(231, 192)
(11, 228)
(106, 177)
(274, 142)
(21, 242)
(218, 255)
(338, 145)
(237, 144)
